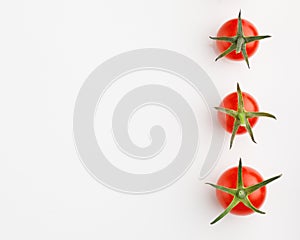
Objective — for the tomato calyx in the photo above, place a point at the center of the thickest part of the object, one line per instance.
(241, 116)
(241, 193)
(238, 42)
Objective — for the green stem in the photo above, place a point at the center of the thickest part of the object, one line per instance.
(241, 194)
(239, 44)
(242, 118)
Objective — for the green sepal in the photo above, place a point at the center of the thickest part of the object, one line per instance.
(248, 204)
(259, 114)
(240, 183)
(230, 112)
(255, 187)
(240, 97)
(249, 130)
(226, 39)
(234, 202)
(227, 51)
(255, 38)
(236, 126)
(224, 189)
(245, 55)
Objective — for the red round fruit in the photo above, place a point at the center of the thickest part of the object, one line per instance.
(231, 102)
(250, 177)
(229, 29)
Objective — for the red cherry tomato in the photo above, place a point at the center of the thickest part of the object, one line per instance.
(231, 102)
(250, 177)
(229, 29)
(241, 190)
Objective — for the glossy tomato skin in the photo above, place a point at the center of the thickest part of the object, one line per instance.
(229, 29)
(231, 102)
(250, 177)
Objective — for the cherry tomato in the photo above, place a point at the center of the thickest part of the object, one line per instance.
(241, 190)
(231, 102)
(237, 39)
(238, 113)
(250, 177)
(229, 29)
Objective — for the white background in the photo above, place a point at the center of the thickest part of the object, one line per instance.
(47, 50)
